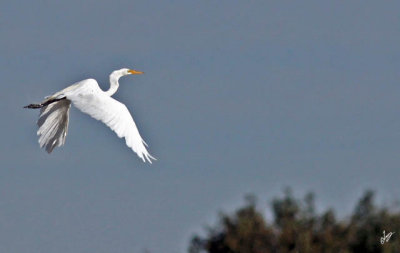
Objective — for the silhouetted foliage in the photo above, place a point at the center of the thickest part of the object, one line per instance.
(296, 227)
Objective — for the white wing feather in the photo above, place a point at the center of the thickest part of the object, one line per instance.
(53, 124)
(93, 101)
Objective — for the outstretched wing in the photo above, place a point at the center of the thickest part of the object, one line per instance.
(116, 116)
(53, 124)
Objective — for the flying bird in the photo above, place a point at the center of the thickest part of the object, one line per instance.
(87, 96)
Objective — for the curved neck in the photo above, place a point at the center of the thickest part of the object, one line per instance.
(113, 85)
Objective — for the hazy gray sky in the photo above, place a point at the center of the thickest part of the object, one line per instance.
(238, 97)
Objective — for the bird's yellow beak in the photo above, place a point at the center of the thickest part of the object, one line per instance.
(135, 72)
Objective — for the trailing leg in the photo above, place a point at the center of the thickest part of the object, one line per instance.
(44, 103)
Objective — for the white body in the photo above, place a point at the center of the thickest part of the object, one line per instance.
(89, 98)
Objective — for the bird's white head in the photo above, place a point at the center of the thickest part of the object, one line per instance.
(115, 75)
(123, 72)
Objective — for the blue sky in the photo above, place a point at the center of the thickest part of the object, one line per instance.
(238, 97)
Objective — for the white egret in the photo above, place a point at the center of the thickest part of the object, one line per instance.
(88, 98)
